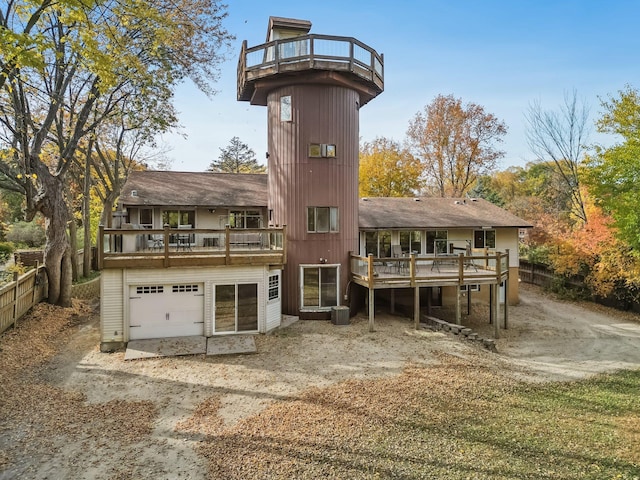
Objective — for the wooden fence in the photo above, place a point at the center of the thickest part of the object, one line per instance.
(18, 296)
(543, 276)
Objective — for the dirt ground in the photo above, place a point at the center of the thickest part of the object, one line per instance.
(69, 411)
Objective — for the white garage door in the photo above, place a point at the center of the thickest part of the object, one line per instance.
(158, 311)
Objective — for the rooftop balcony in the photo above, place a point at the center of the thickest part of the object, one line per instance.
(310, 53)
(169, 247)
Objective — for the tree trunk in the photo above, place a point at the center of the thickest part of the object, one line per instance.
(73, 245)
(51, 203)
(86, 212)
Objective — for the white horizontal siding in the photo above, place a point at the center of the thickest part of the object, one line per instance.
(274, 314)
(112, 306)
(273, 307)
(115, 304)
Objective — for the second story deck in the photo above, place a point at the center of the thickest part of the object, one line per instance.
(429, 270)
(194, 247)
(309, 53)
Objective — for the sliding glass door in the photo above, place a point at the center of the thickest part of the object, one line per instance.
(236, 308)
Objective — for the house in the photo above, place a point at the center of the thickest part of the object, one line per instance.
(226, 277)
(191, 244)
(217, 254)
(448, 247)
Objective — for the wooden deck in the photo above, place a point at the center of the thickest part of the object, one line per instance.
(423, 271)
(420, 271)
(155, 248)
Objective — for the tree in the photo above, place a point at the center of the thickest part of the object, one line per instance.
(455, 143)
(237, 157)
(59, 60)
(560, 137)
(387, 170)
(613, 173)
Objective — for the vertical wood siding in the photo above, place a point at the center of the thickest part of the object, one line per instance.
(322, 114)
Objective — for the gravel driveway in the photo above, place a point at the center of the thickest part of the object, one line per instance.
(69, 411)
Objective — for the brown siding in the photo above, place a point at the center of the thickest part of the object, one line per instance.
(321, 114)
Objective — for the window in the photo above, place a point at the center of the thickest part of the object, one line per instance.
(149, 289)
(437, 241)
(285, 109)
(245, 219)
(322, 219)
(322, 150)
(184, 288)
(411, 241)
(146, 217)
(178, 218)
(470, 288)
(274, 287)
(378, 243)
(484, 239)
(319, 287)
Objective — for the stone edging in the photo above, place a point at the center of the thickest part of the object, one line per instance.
(440, 325)
(87, 290)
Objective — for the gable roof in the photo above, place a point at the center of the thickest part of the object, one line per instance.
(434, 212)
(204, 189)
(207, 189)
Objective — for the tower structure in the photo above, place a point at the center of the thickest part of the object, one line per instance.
(313, 87)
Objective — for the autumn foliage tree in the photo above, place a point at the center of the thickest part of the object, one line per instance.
(613, 172)
(456, 144)
(58, 61)
(559, 139)
(388, 170)
(608, 264)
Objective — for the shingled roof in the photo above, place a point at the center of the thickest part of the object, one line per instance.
(434, 212)
(204, 189)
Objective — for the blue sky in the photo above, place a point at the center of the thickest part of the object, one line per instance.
(502, 55)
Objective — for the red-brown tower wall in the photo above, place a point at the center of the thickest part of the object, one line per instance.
(321, 114)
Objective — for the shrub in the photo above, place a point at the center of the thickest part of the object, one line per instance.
(6, 250)
(18, 268)
(28, 233)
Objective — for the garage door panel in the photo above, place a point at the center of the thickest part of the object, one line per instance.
(161, 311)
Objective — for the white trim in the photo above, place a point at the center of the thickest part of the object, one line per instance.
(301, 267)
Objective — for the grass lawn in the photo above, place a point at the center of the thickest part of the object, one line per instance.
(456, 420)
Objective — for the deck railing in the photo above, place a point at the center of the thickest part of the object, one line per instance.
(320, 52)
(176, 246)
(415, 269)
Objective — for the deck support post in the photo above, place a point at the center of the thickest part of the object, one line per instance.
(458, 306)
(372, 296)
(506, 295)
(416, 307)
(490, 303)
(495, 300)
(393, 301)
(371, 309)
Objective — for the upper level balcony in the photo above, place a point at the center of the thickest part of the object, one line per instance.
(305, 54)
(190, 247)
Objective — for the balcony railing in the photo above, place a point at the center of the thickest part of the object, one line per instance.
(157, 248)
(315, 52)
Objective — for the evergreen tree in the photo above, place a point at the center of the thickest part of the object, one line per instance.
(237, 157)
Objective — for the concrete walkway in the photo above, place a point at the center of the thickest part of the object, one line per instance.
(194, 345)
